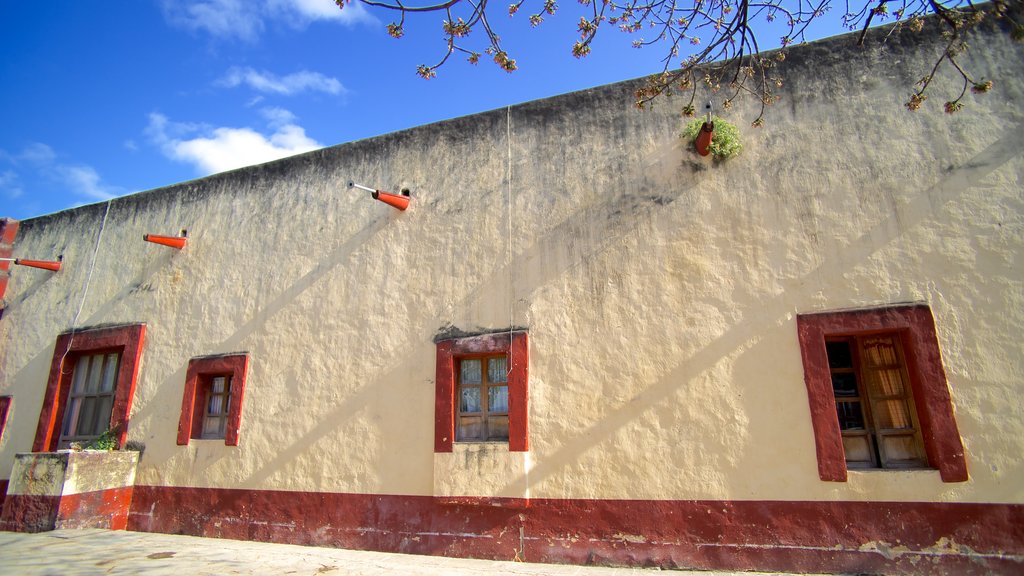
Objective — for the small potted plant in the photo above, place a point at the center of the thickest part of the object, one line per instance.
(724, 137)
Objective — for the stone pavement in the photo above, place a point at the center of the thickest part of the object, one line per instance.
(93, 551)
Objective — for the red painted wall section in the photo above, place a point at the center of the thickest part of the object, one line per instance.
(106, 509)
(5, 409)
(850, 537)
(927, 378)
(129, 340)
(190, 421)
(29, 513)
(8, 232)
(444, 399)
(517, 346)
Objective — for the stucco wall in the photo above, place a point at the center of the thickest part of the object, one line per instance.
(659, 289)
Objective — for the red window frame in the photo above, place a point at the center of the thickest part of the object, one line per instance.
(190, 424)
(517, 346)
(915, 327)
(128, 340)
(8, 232)
(5, 408)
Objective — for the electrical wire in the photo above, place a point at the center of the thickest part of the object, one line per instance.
(85, 289)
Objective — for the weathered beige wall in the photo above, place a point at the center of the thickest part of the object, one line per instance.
(660, 290)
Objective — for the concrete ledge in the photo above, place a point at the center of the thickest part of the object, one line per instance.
(66, 489)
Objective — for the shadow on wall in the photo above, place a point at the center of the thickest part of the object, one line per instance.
(606, 223)
(755, 325)
(168, 392)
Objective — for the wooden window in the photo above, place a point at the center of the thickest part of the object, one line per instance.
(91, 398)
(211, 407)
(218, 403)
(483, 399)
(481, 390)
(91, 385)
(877, 392)
(874, 402)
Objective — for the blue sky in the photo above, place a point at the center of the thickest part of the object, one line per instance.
(106, 98)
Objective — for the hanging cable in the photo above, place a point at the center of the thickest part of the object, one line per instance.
(511, 291)
(85, 289)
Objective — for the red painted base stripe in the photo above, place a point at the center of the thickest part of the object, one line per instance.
(100, 509)
(29, 513)
(891, 538)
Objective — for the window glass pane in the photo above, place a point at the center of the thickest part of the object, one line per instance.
(71, 416)
(497, 399)
(470, 372)
(497, 370)
(95, 373)
(471, 428)
(900, 449)
(470, 399)
(81, 371)
(892, 414)
(211, 426)
(497, 428)
(109, 373)
(218, 385)
(105, 405)
(839, 355)
(858, 449)
(885, 382)
(851, 416)
(214, 405)
(879, 351)
(87, 422)
(844, 384)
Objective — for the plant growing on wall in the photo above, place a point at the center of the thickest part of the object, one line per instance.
(726, 141)
(106, 441)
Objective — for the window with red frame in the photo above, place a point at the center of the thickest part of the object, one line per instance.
(91, 386)
(211, 407)
(878, 393)
(5, 408)
(481, 390)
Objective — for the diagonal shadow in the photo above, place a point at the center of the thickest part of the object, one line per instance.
(156, 405)
(605, 222)
(757, 322)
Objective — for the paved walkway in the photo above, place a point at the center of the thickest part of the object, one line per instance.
(88, 552)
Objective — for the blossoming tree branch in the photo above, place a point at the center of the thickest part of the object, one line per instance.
(717, 43)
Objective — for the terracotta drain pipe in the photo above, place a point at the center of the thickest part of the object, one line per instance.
(42, 264)
(707, 133)
(171, 241)
(398, 201)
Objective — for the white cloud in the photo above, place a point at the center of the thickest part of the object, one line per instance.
(294, 83)
(85, 181)
(246, 19)
(212, 150)
(277, 116)
(218, 18)
(39, 161)
(37, 153)
(9, 184)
